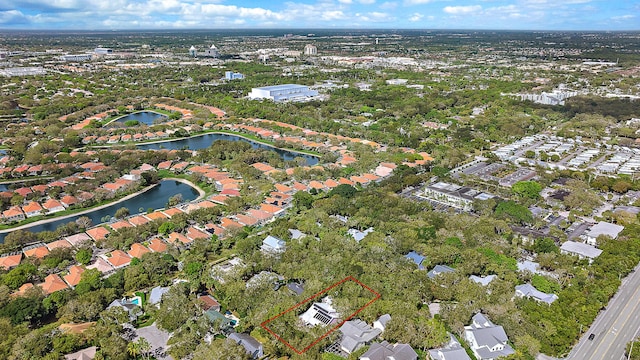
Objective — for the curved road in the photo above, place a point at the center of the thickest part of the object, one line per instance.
(614, 327)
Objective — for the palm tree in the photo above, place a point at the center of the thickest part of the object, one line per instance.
(145, 347)
(133, 348)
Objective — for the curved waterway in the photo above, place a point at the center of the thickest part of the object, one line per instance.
(204, 141)
(154, 198)
(143, 117)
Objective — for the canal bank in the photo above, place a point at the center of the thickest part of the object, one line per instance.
(151, 197)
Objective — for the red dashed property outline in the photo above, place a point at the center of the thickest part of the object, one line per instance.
(300, 352)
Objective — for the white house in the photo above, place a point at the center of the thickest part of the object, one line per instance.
(321, 313)
(487, 340)
(583, 251)
(272, 244)
(602, 228)
(527, 290)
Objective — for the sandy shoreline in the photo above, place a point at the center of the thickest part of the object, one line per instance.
(201, 192)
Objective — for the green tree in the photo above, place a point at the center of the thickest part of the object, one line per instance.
(83, 256)
(121, 213)
(527, 189)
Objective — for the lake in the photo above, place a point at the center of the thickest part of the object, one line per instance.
(204, 141)
(155, 198)
(143, 117)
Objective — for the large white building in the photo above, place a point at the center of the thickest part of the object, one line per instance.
(310, 50)
(285, 92)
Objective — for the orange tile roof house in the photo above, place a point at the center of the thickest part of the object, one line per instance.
(40, 188)
(171, 212)
(229, 224)
(68, 200)
(36, 251)
(62, 243)
(283, 188)
(246, 220)
(157, 245)
(156, 215)
(193, 234)
(138, 220)
(118, 259)
(74, 275)
(165, 165)
(23, 191)
(13, 214)
(120, 224)
(275, 210)
(98, 233)
(260, 215)
(137, 250)
(175, 237)
(9, 261)
(53, 206)
(32, 209)
(53, 283)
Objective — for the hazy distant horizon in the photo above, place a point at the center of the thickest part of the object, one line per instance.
(492, 15)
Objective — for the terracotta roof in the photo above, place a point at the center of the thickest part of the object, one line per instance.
(23, 289)
(299, 187)
(40, 188)
(32, 207)
(119, 258)
(59, 244)
(260, 214)
(175, 237)
(345, 181)
(208, 302)
(227, 224)
(98, 233)
(246, 219)
(10, 261)
(37, 252)
(193, 234)
(156, 215)
(171, 212)
(137, 250)
(219, 199)
(12, 211)
(206, 204)
(283, 188)
(120, 224)
(157, 245)
(52, 204)
(74, 275)
(69, 200)
(270, 208)
(138, 220)
(53, 283)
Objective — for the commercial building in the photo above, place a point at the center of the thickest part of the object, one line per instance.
(285, 92)
(102, 51)
(583, 251)
(459, 197)
(211, 52)
(310, 50)
(76, 57)
(230, 75)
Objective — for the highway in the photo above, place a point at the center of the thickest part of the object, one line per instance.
(614, 327)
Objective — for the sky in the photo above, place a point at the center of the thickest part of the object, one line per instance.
(339, 14)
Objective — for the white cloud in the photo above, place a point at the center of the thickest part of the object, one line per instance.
(623, 17)
(462, 10)
(416, 17)
(389, 5)
(417, 2)
(375, 17)
(345, 1)
(367, 2)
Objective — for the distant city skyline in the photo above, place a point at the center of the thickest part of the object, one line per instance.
(369, 14)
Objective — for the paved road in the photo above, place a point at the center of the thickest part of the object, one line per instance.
(614, 327)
